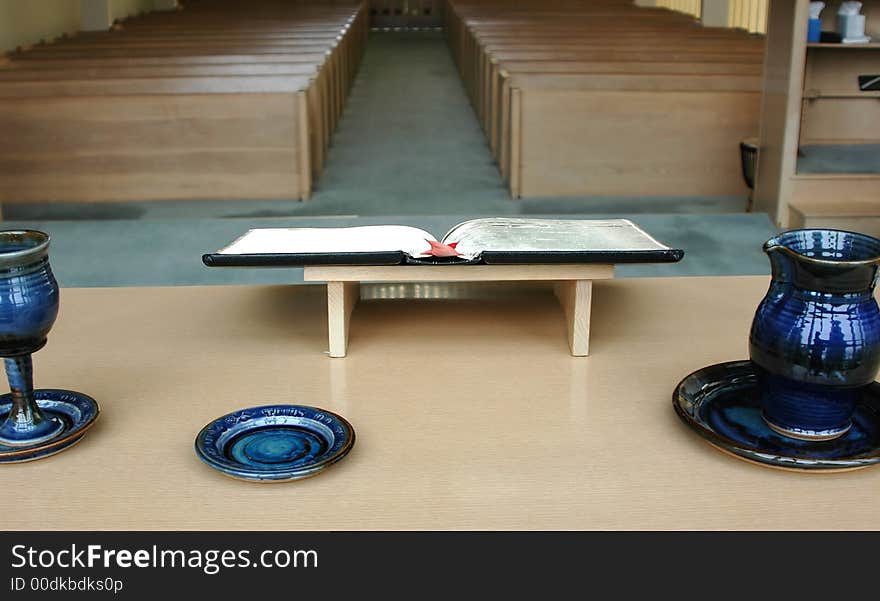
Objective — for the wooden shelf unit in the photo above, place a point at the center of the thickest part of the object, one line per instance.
(811, 97)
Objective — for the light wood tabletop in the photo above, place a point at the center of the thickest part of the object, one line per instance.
(470, 414)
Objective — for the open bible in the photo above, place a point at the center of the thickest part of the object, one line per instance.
(496, 240)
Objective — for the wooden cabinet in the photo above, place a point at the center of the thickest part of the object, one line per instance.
(812, 103)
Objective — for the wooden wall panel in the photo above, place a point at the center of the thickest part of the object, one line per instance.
(841, 121)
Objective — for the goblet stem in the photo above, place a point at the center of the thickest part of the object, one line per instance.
(26, 424)
(20, 373)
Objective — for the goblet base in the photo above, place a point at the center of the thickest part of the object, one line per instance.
(43, 432)
(75, 411)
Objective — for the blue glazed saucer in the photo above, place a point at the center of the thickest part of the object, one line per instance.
(275, 443)
(721, 404)
(75, 410)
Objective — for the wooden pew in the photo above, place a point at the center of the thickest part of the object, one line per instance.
(497, 96)
(235, 112)
(491, 97)
(662, 135)
(566, 98)
(318, 106)
(155, 139)
(487, 65)
(327, 80)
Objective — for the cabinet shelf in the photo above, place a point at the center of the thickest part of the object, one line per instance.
(814, 94)
(865, 46)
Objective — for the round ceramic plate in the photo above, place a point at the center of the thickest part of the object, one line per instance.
(75, 410)
(275, 442)
(721, 403)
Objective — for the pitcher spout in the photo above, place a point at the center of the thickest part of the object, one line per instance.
(773, 244)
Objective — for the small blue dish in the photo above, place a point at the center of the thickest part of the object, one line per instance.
(275, 443)
(722, 403)
(76, 411)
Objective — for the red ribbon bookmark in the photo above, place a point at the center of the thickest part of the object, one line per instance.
(438, 249)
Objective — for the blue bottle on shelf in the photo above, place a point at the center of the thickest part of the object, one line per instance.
(814, 27)
(814, 31)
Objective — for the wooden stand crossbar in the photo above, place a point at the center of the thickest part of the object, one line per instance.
(573, 285)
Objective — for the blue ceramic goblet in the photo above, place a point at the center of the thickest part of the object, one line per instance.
(28, 307)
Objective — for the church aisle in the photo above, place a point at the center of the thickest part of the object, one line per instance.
(409, 142)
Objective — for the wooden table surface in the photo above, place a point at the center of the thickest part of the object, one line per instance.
(469, 414)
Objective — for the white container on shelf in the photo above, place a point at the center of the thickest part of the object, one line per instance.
(851, 24)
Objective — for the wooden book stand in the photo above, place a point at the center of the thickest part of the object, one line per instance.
(573, 285)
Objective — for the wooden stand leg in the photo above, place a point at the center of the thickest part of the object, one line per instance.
(341, 299)
(575, 296)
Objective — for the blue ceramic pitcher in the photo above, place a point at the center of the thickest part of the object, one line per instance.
(815, 338)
